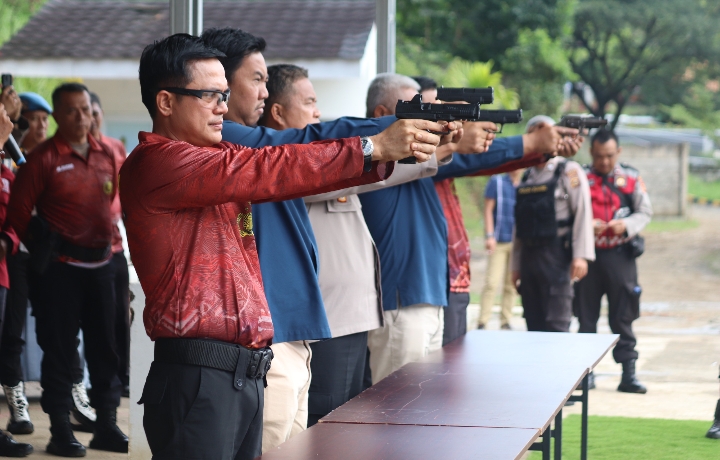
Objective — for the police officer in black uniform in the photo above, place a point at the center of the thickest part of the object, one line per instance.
(553, 239)
(621, 209)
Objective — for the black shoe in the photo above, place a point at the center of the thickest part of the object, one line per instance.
(591, 382)
(126, 391)
(629, 383)
(714, 431)
(481, 326)
(107, 434)
(11, 448)
(506, 327)
(63, 442)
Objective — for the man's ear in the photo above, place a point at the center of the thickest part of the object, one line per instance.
(276, 114)
(164, 102)
(381, 111)
(619, 150)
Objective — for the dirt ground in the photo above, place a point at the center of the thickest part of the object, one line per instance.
(678, 331)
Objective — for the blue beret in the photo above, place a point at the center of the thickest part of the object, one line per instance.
(34, 101)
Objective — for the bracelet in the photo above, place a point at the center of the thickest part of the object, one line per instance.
(489, 235)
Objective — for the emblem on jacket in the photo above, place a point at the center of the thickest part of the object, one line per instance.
(620, 181)
(108, 187)
(245, 224)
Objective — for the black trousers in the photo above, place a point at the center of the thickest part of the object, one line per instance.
(338, 368)
(66, 298)
(545, 287)
(455, 316)
(614, 273)
(12, 343)
(195, 412)
(122, 315)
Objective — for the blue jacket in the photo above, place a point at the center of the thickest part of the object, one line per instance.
(285, 240)
(409, 228)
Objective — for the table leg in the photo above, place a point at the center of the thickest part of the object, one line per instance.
(557, 434)
(547, 439)
(584, 428)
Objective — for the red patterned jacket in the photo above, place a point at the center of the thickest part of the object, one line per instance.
(618, 195)
(189, 227)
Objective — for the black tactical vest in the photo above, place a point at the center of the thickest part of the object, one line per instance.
(535, 221)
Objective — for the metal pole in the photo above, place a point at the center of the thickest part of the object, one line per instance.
(557, 434)
(584, 428)
(385, 23)
(186, 16)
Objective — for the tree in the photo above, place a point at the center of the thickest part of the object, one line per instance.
(618, 44)
(538, 67)
(478, 30)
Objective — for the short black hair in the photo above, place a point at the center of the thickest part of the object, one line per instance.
(165, 63)
(67, 88)
(95, 99)
(235, 44)
(425, 83)
(280, 80)
(602, 136)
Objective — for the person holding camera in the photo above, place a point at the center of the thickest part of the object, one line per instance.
(621, 209)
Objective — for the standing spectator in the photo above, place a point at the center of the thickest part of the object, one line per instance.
(36, 111)
(8, 244)
(71, 181)
(499, 223)
(621, 209)
(553, 238)
(119, 261)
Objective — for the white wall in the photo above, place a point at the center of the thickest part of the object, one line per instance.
(141, 356)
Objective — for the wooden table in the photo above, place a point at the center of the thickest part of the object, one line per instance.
(347, 441)
(489, 394)
(488, 379)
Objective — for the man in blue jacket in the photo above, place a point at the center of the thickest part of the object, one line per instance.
(408, 226)
(285, 241)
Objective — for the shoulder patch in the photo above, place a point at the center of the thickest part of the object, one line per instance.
(572, 174)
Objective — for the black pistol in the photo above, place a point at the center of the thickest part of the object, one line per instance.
(480, 96)
(582, 123)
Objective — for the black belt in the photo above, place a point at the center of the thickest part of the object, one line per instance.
(244, 362)
(80, 253)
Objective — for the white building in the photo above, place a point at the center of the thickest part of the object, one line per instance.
(101, 42)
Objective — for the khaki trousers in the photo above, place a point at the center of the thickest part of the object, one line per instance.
(498, 269)
(286, 396)
(409, 334)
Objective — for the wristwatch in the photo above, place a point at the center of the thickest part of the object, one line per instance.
(489, 235)
(367, 148)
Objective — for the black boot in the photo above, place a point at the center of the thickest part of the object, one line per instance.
(63, 442)
(714, 431)
(107, 434)
(629, 383)
(11, 448)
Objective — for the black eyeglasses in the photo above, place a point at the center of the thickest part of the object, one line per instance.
(206, 95)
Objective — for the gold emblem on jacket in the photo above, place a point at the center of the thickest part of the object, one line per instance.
(108, 187)
(245, 224)
(620, 181)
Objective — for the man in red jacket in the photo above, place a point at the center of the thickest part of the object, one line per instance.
(71, 180)
(186, 197)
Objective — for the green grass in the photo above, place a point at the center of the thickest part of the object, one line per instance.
(671, 225)
(621, 438)
(700, 188)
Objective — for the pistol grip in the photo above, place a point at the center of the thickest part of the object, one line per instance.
(408, 161)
